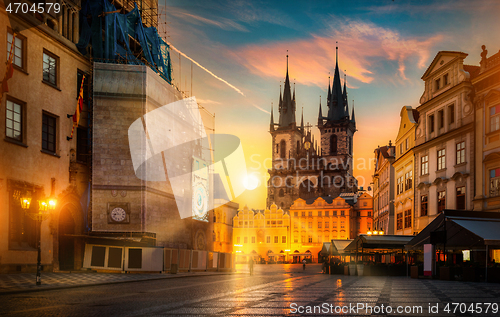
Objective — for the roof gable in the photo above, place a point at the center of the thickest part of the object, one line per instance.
(407, 122)
(442, 59)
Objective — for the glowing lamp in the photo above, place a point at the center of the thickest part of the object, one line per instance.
(381, 232)
(51, 202)
(375, 232)
(369, 233)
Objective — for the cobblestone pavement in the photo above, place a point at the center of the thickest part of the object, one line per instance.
(20, 282)
(274, 290)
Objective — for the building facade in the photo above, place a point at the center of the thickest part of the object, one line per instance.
(301, 168)
(262, 234)
(36, 157)
(444, 139)
(487, 133)
(383, 189)
(404, 168)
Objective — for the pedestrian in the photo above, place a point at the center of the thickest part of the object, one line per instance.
(250, 265)
(304, 264)
(324, 267)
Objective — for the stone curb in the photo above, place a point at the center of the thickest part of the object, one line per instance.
(171, 276)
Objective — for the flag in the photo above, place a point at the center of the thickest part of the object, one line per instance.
(79, 108)
(9, 71)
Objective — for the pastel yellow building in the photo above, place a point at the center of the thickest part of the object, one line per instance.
(404, 169)
(264, 235)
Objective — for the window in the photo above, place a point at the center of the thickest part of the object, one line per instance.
(280, 222)
(268, 222)
(268, 239)
(451, 113)
(441, 200)
(18, 50)
(251, 223)
(408, 180)
(431, 123)
(461, 152)
(445, 80)
(319, 213)
(310, 238)
(342, 213)
(276, 239)
(240, 223)
(246, 223)
(295, 225)
(303, 239)
(495, 118)
(438, 83)
(253, 239)
(245, 240)
(283, 239)
(327, 213)
(296, 214)
(48, 133)
(281, 193)
(273, 222)
(310, 225)
(333, 144)
(369, 214)
(342, 224)
(441, 159)
(334, 225)
(303, 225)
(423, 205)
(400, 187)
(295, 239)
(303, 214)
(320, 224)
(327, 225)
(407, 218)
(399, 221)
(407, 144)
(50, 68)
(238, 240)
(495, 182)
(461, 198)
(441, 118)
(22, 228)
(14, 114)
(424, 165)
(310, 213)
(334, 212)
(400, 148)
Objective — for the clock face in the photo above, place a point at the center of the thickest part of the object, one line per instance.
(307, 145)
(200, 201)
(118, 214)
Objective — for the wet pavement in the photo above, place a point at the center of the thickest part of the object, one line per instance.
(274, 290)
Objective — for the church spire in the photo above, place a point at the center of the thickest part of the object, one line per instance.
(353, 119)
(271, 127)
(287, 104)
(344, 96)
(302, 120)
(336, 111)
(320, 115)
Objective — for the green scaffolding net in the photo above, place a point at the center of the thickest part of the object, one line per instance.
(122, 38)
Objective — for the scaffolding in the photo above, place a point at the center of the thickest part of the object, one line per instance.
(124, 32)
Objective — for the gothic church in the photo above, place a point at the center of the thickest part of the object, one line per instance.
(301, 168)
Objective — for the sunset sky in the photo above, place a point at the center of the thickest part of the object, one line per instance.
(384, 47)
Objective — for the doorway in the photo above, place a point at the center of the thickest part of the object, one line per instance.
(66, 242)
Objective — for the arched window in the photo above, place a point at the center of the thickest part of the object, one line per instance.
(283, 149)
(333, 144)
(349, 142)
(277, 148)
(298, 147)
(306, 189)
(282, 193)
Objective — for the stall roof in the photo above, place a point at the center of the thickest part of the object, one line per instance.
(378, 242)
(464, 229)
(338, 245)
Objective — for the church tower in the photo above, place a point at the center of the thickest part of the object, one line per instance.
(337, 130)
(287, 144)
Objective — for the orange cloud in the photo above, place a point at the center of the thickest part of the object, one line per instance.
(361, 46)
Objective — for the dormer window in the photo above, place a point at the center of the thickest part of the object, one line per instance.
(445, 80)
(438, 83)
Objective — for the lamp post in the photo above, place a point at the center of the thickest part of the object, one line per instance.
(45, 206)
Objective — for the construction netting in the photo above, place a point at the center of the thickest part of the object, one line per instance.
(122, 38)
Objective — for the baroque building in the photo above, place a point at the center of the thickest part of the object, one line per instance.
(383, 189)
(404, 168)
(444, 139)
(487, 132)
(300, 167)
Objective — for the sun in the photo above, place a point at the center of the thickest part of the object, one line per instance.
(250, 182)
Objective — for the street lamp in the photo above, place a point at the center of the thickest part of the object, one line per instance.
(45, 206)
